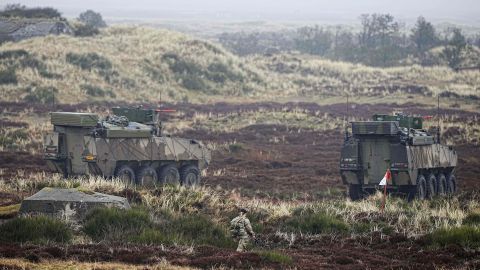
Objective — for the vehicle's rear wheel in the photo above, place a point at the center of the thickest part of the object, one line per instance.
(421, 190)
(431, 186)
(355, 192)
(451, 184)
(441, 184)
(169, 175)
(126, 174)
(190, 175)
(147, 176)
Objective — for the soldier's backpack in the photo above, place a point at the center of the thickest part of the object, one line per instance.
(236, 226)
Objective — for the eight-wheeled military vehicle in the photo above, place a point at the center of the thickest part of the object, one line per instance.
(420, 165)
(128, 145)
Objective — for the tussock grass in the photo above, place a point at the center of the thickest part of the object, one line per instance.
(201, 215)
(465, 236)
(275, 257)
(310, 222)
(114, 224)
(9, 211)
(138, 226)
(473, 218)
(7, 263)
(38, 229)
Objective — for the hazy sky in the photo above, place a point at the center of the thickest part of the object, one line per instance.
(278, 10)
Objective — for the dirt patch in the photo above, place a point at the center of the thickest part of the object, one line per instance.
(322, 253)
(204, 257)
(12, 162)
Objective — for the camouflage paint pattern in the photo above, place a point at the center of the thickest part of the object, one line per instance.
(377, 146)
(156, 151)
(80, 144)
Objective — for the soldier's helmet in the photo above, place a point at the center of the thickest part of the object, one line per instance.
(243, 210)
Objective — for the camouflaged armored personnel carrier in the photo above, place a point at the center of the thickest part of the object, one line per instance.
(128, 145)
(420, 166)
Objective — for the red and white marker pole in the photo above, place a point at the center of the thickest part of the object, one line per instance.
(384, 183)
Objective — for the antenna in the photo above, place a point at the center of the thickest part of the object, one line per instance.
(438, 118)
(347, 118)
(53, 100)
(160, 98)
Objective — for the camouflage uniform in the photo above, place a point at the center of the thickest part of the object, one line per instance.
(242, 230)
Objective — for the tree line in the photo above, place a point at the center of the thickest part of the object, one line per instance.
(380, 41)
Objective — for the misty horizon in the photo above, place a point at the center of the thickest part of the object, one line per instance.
(340, 11)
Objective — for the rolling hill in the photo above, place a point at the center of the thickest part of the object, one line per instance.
(136, 64)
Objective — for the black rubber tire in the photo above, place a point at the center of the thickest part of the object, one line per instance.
(126, 174)
(421, 188)
(169, 174)
(147, 176)
(441, 184)
(190, 175)
(431, 186)
(451, 184)
(355, 192)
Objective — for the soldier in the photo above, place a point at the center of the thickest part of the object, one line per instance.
(241, 230)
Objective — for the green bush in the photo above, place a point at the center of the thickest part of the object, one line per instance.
(96, 91)
(151, 236)
(200, 229)
(219, 72)
(192, 82)
(14, 59)
(472, 219)
(8, 76)
(466, 236)
(39, 229)
(13, 54)
(136, 225)
(85, 30)
(189, 229)
(116, 224)
(275, 257)
(17, 10)
(91, 61)
(43, 95)
(308, 221)
(235, 147)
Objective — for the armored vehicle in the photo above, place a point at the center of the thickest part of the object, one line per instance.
(419, 164)
(128, 145)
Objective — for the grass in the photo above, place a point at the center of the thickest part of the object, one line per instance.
(275, 257)
(9, 211)
(139, 226)
(169, 215)
(114, 224)
(311, 222)
(38, 229)
(8, 76)
(472, 218)
(465, 236)
(7, 263)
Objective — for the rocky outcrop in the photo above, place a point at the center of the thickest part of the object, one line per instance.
(18, 29)
(68, 204)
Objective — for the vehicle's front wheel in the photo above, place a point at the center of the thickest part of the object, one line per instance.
(451, 184)
(355, 192)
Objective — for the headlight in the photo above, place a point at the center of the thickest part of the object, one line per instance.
(90, 157)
